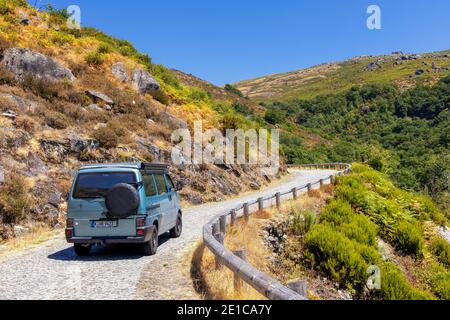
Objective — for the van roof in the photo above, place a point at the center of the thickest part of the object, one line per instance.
(131, 165)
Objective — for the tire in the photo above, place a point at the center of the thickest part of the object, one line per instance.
(151, 246)
(122, 201)
(82, 249)
(175, 232)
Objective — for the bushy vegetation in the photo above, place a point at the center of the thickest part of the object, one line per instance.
(341, 258)
(441, 249)
(404, 134)
(408, 238)
(394, 286)
(366, 205)
(15, 200)
(233, 89)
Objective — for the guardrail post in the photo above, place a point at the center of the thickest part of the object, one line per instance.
(233, 218)
(294, 194)
(220, 238)
(238, 283)
(321, 182)
(260, 204)
(278, 200)
(223, 224)
(299, 286)
(215, 229)
(246, 212)
(309, 187)
(332, 180)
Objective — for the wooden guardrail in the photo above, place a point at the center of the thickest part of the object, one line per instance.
(214, 235)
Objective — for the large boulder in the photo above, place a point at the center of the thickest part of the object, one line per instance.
(120, 72)
(18, 103)
(22, 62)
(172, 121)
(144, 82)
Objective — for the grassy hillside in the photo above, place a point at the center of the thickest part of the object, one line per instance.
(398, 69)
(49, 127)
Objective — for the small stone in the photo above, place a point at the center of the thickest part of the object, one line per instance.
(99, 97)
(2, 175)
(94, 107)
(9, 114)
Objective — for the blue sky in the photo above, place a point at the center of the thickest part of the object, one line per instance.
(227, 41)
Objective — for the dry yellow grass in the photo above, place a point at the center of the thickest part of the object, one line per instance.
(219, 284)
(36, 236)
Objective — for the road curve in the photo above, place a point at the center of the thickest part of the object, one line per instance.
(53, 271)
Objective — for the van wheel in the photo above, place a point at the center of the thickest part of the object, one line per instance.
(82, 249)
(175, 232)
(151, 246)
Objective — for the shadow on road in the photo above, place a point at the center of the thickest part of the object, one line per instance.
(110, 252)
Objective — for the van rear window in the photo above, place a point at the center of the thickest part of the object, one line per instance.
(97, 184)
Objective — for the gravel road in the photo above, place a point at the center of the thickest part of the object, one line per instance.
(53, 271)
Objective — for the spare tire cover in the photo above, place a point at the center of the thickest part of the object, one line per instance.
(122, 200)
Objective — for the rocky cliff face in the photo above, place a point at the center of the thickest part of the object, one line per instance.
(68, 98)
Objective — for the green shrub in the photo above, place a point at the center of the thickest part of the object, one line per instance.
(408, 238)
(441, 249)
(360, 229)
(62, 39)
(337, 212)
(15, 200)
(104, 48)
(161, 96)
(302, 222)
(94, 59)
(233, 89)
(106, 137)
(394, 286)
(339, 257)
(199, 95)
(441, 285)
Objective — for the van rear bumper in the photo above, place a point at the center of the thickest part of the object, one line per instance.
(109, 240)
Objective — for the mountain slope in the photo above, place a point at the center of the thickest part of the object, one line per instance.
(69, 97)
(402, 70)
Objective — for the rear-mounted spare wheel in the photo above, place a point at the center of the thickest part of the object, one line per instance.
(122, 200)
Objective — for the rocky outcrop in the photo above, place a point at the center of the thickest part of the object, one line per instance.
(99, 97)
(120, 72)
(22, 62)
(144, 82)
(172, 121)
(56, 150)
(18, 103)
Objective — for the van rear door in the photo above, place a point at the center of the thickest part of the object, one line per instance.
(87, 205)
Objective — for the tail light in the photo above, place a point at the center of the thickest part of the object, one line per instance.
(69, 228)
(140, 222)
(69, 223)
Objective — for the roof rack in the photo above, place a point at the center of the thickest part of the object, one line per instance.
(154, 166)
(148, 166)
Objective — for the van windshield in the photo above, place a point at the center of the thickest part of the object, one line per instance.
(96, 185)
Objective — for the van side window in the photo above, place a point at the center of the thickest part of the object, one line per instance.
(149, 185)
(170, 182)
(160, 183)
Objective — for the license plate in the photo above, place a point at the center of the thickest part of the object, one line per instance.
(104, 224)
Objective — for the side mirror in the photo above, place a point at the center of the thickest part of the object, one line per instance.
(179, 186)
